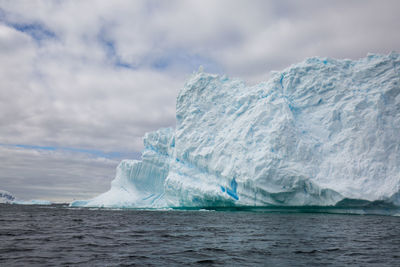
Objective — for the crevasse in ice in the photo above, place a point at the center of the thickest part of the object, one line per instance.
(314, 134)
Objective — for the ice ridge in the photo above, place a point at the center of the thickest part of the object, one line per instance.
(316, 133)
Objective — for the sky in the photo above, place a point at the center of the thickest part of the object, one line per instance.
(82, 81)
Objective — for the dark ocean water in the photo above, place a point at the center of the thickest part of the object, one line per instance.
(57, 235)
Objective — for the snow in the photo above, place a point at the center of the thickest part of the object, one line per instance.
(313, 134)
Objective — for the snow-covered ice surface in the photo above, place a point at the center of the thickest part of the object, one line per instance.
(316, 133)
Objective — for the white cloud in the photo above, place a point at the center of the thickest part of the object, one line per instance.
(54, 175)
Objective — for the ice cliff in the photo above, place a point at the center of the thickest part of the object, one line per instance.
(314, 134)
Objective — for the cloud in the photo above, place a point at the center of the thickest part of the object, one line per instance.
(99, 80)
(341, 29)
(64, 176)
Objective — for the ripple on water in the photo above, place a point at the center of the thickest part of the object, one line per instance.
(33, 235)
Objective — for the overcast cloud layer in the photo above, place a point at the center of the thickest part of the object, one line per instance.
(82, 81)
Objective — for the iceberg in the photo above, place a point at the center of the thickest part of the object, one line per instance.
(8, 198)
(317, 133)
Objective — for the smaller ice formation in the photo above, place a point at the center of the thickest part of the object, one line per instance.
(7, 198)
(32, 202)
(317, 133)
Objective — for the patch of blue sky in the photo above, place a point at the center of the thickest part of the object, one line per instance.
(36, 30)
(175, 58)
(178, 58)
(111, 53)
(34, 147)
(93, 152)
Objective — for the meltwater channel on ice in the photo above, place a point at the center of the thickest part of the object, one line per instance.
(318, 132)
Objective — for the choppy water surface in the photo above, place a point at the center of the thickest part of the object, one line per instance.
(58, 235)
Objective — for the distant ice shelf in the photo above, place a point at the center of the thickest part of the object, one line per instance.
(32, 202)
(316, 133)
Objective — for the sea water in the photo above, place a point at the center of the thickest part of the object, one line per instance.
(59, 235)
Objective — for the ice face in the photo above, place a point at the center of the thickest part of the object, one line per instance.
(314, 134)
(140, 183)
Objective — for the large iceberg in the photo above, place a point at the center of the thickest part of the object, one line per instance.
(318, 132)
